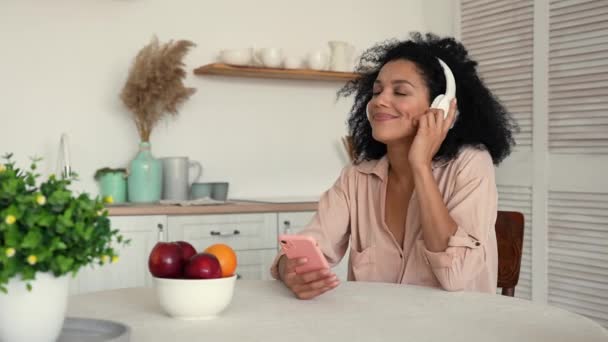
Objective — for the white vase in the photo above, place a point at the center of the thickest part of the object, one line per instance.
(36, 315)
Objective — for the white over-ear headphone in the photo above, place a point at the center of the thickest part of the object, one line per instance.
(441, 101)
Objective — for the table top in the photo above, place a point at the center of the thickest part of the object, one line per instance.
(355, 311)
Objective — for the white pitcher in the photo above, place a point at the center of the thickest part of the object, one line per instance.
(342, 56)
(177, 178)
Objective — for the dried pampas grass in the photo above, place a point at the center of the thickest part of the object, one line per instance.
(154, 87)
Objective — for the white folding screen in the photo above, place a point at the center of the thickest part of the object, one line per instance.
(577, 265)
(578, 253)
(558, 174)
(578, 76)
(498, 34)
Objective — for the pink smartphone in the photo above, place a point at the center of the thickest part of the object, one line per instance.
(302, 246)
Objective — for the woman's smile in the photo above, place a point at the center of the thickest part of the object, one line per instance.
(381, 117)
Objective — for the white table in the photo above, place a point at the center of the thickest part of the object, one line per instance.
(355, 311)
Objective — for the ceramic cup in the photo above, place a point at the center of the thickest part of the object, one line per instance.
(214, 190)
(201, 190)
(220, 191)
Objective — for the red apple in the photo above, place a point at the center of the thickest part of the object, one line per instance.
(203, 266)
(165, 260)
(187, 250)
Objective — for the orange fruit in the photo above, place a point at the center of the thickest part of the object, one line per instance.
(226, 256)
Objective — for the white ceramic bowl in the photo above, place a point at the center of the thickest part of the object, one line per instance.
(194, 299)
(318, 60)
(269, 57)
(237, 56)
(291, 62)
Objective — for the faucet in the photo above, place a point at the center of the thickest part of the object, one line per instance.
(64, 157)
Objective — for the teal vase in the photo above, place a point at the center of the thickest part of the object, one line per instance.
(145, 176)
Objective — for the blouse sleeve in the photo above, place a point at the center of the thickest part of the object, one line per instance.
(473, 207)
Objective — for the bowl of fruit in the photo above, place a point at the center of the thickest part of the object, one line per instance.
(191, 285)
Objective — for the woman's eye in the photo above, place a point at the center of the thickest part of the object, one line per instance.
(400, 93)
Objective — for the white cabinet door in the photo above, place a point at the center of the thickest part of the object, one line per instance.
(252, 236)
(239, 231)
(255, 264)
(294, 222)
(131, 270)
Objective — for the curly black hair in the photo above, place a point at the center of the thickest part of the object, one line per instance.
(482, 119)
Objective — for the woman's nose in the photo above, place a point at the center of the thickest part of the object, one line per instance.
(381, 99)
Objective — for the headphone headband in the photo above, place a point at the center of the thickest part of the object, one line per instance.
(450, 83)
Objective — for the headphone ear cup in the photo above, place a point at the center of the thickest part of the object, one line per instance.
(442, 102)
(445, 105)
(437, 101)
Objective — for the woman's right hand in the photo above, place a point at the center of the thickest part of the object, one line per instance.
(306, 285)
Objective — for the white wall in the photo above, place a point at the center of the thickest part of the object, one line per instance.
(64, 62)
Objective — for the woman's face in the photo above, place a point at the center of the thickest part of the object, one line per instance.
(400, 97)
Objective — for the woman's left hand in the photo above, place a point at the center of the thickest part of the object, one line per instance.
(432, 129)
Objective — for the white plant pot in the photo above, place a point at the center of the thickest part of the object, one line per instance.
(37, 315)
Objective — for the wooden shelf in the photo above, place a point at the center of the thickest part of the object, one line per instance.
(291, 74)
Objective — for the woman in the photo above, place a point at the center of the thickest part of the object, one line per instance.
(419, 203)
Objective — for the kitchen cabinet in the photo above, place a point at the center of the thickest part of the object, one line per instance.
(131, 270)
(294, 222)
(252, 236)
(255, 264)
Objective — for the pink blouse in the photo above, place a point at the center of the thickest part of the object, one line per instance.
(352, 213)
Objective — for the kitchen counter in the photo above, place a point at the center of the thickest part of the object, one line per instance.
(230, 207)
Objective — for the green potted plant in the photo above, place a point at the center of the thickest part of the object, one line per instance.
(47, 232)
(112, 184)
